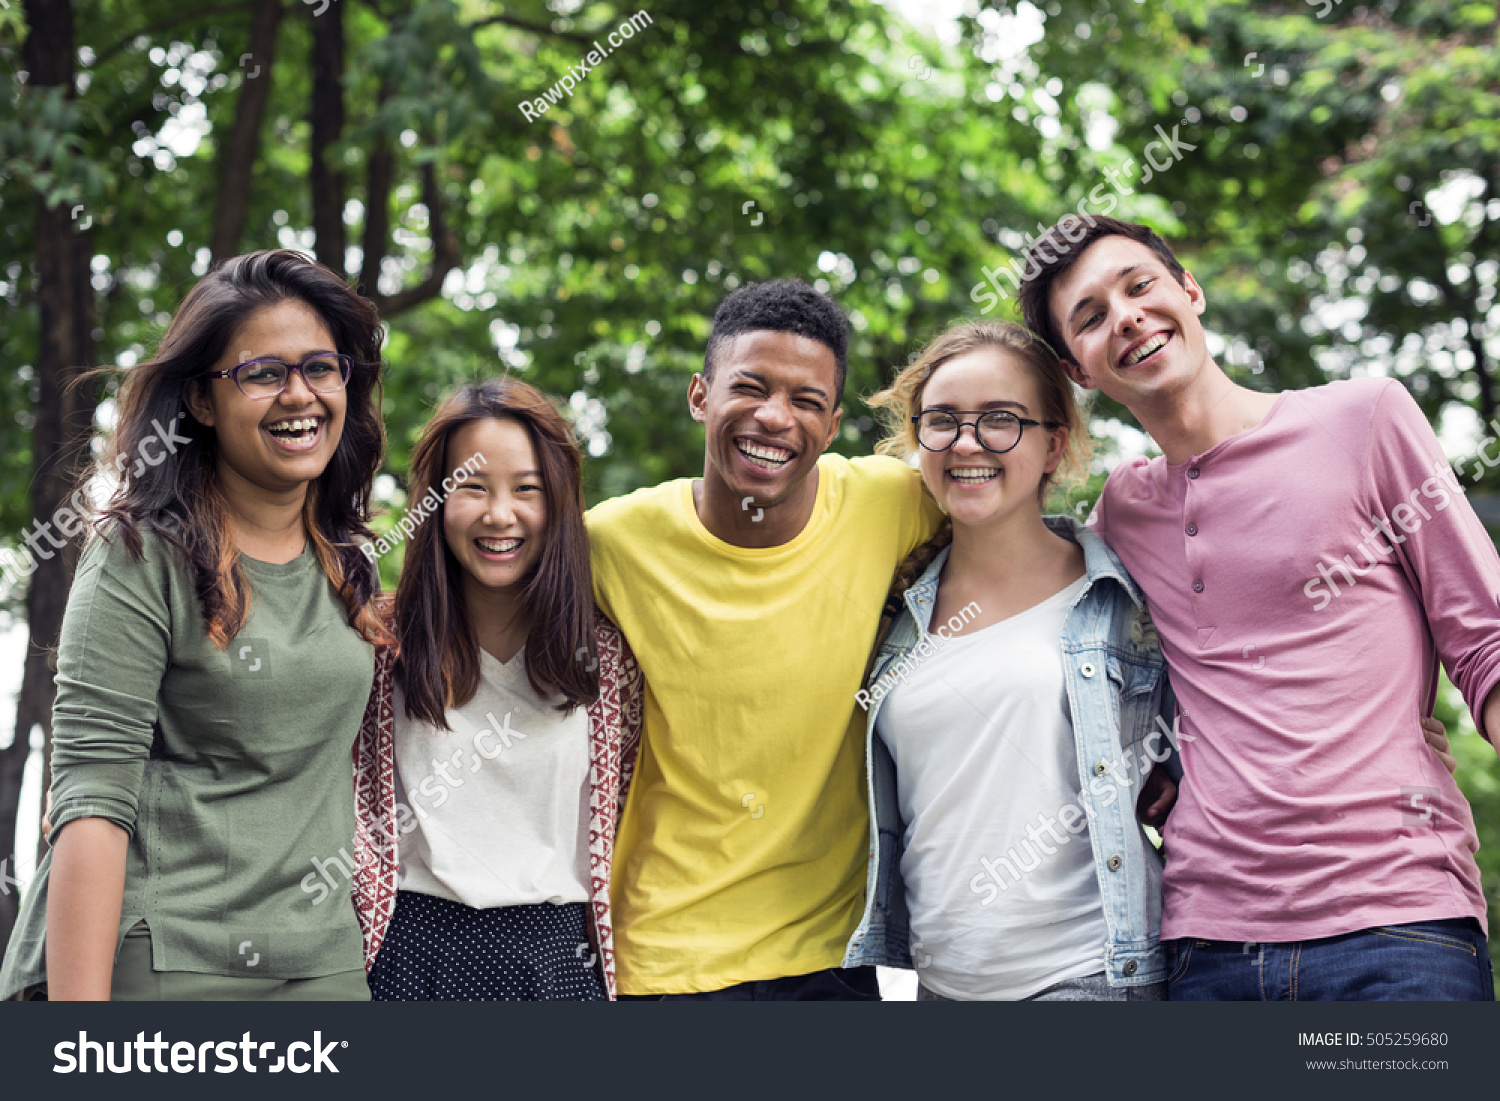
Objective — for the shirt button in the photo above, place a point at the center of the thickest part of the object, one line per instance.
(1192, 529)
(1192, 472)
(1131, 967)
(1087, 669)
(1101, 768)
(1114, 863)
(1197, 586)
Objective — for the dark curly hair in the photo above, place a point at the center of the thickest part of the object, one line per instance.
(781, 306)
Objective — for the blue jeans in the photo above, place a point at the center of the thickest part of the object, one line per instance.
(1425, 961)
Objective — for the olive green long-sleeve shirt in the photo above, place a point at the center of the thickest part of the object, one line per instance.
(230, 770)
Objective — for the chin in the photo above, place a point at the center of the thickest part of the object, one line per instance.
(771, 488)
(492, 578)
(972, 513)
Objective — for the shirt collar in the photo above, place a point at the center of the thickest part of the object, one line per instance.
(1099, 563)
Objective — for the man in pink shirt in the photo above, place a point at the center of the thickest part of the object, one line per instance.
(1308, 557)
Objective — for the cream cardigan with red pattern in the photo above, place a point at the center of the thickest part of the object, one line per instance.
(614, 738)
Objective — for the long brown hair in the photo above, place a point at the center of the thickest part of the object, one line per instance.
(438, 667)
(902, 400)
(180, 498)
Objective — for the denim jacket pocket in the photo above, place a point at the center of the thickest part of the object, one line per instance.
(1134, 678)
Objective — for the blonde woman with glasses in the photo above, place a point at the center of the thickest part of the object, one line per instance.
(1012, 705)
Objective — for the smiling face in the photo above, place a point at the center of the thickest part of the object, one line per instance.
(282, 443)
(973, 485)
(495, 521)
(768, 414)
(1130, 329)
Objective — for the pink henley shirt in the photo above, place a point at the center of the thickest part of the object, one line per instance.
(1300, 575)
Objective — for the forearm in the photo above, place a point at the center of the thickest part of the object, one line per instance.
(1490, 715)
(85, 891)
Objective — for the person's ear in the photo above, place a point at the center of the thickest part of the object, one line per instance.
(196, 399)
(698, 398)
(1076, 373)
(1057, 446)
(833, 428)
(1194, 292)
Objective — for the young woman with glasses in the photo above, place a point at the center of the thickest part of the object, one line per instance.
(216, 655)
(1012, 704)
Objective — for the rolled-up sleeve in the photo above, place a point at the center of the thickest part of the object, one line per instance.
(1450, 557)
(112, 655)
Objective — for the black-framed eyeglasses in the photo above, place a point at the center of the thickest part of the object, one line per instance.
(259, 379)
(996, 429)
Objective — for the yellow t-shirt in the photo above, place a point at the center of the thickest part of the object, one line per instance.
(743, 845)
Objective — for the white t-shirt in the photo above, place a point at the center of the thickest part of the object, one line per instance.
(983, 744)
(500, 801)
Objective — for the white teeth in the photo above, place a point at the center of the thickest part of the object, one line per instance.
(764, 456)
(973, 474)
(1145, 349)
(498, 546)
(303, 424)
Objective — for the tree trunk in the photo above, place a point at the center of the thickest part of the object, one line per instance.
(447, 250)
(238, 153)
(380, 169)
(59, 435)
(327, 116)
(1482, 369)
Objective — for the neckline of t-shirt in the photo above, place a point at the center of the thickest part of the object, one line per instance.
(1067, 594)
(281, 569)
(1194, 460)
(809, 530)
(487, 658)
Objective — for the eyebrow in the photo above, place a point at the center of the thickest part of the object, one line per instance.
(762, 380)
(1121, 274)
(291, 359)
(948, 406)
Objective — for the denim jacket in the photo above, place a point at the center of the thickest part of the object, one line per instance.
(1117, 686)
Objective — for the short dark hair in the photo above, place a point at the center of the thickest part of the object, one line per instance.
(1068, 248)
(781, 306)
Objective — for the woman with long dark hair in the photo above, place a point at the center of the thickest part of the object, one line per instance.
(512, 715)
(215, 657)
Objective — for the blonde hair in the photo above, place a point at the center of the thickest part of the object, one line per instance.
(902, 400)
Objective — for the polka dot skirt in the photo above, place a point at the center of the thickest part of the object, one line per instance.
(438, 950)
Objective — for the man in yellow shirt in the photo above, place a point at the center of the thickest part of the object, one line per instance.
(751, 598)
